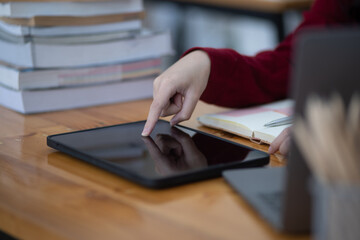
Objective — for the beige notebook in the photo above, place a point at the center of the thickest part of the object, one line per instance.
(249, 122)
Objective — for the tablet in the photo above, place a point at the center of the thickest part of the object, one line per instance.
(170, 156)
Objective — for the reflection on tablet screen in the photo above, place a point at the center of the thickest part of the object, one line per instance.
(168, 151)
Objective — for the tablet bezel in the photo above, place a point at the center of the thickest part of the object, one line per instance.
(164, 181)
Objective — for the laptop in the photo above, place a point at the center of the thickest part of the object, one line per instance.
(326, 61)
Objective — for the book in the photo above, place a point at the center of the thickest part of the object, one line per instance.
(249, 122)
(44, 100)
(59, 8)
(33, 54)
(25, 79)
(47, 21)
(19, 30)
(67, 39)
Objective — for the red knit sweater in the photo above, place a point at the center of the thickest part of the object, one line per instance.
(237, 80)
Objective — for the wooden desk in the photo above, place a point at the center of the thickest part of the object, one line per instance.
(45, 194)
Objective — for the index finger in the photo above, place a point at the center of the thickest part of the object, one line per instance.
(153, 116)
(156, 108)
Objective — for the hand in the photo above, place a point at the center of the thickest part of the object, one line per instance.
(178, 89)
(174, 153)
(281, 142)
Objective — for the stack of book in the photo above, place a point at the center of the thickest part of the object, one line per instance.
(68, 54)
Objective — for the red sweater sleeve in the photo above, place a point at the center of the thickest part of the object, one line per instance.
(237, 80)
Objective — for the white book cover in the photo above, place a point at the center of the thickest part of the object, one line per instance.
(25, 79)
(19, 30)
(249, 122)
(75, 97)
(32, 54)
(68, 39)
(91, 8)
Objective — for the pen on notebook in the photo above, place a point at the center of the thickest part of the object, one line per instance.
(279, 122)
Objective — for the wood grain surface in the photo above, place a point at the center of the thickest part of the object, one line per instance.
(45, 194)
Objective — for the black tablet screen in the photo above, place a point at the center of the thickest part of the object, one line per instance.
(168, 151)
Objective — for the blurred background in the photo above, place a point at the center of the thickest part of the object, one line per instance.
(216, 27)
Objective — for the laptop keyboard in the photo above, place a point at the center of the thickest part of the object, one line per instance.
(272, 199)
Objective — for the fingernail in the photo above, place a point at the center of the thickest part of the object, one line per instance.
(145, 132)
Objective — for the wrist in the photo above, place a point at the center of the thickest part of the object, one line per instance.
(201, 60)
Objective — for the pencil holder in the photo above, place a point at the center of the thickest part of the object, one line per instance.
(336, 211)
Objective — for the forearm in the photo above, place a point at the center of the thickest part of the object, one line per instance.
(236, 80)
